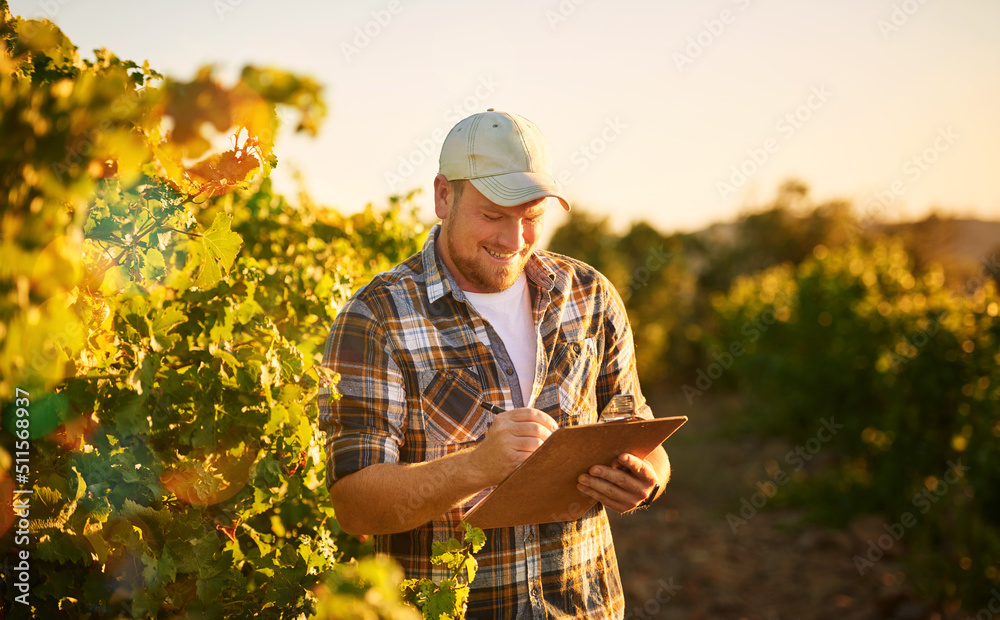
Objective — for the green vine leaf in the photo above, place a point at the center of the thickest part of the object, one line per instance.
(153, 266)
(217, 249)
(447, 599)
(160, 326)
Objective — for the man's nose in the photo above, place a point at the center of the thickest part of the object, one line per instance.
(510, 236)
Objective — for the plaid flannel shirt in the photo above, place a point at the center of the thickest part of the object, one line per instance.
(415, 360)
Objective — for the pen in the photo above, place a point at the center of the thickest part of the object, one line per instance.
(490, 407)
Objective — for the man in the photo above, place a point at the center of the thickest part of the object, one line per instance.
(481, 316)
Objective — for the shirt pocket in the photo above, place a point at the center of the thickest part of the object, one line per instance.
(450, 401)
(575, 369)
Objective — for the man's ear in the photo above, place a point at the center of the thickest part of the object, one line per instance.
(443, 196)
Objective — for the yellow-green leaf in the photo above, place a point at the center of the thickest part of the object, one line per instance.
(219, 246)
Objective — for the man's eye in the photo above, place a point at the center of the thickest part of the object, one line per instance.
(492, 218)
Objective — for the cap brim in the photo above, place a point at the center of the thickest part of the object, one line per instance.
(515, 188)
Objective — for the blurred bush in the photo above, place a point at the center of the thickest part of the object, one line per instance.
(910, 369)
(810, 314)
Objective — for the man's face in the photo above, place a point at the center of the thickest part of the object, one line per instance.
(486, 246)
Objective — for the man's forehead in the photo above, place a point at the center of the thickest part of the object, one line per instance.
(535, 209)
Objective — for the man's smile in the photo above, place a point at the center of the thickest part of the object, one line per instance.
(504, 256)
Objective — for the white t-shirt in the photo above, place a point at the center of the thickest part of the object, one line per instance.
(509, 312)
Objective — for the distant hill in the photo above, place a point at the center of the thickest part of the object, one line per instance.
(963, 246)
(962, 239)
(958, 238)
(976, 237)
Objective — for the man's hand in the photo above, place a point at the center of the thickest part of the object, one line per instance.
(620, 489)
(514, 435)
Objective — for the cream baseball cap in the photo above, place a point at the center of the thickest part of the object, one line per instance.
(504, 155)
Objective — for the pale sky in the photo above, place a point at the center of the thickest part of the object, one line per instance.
(650, 107)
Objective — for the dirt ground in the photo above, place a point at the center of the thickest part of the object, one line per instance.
(682, 559)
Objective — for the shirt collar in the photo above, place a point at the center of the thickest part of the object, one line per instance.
(440, 282)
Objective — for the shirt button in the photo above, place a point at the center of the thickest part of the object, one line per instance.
(576, 348)
(510, 371)
(534, 592)
(531, 538)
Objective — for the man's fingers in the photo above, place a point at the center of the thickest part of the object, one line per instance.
(620, 477)
(620, 489)
(640, 468)
(526, 423)
(549, 422)
(513, 436)
(530, 429)
(525, 444)
(614, 498)
(616, 484)
(527, 414)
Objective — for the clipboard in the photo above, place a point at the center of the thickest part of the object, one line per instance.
(543, 488)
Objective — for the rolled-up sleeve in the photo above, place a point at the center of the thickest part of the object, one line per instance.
(619, 374)
(366, 423)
